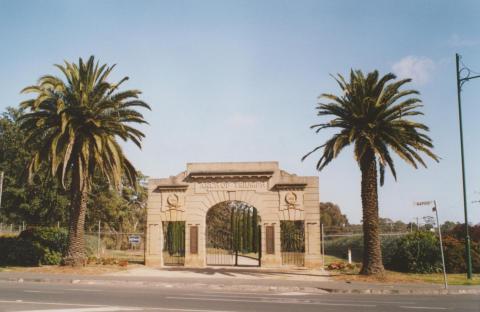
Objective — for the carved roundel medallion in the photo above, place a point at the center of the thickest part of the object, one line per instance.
(291, 198)
(172, 200)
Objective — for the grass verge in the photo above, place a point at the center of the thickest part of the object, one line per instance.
(397, 277)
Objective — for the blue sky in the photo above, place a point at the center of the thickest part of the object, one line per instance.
(239, 80)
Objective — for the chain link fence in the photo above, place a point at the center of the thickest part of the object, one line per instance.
(110, 246)
(11, 228)
(345, 245)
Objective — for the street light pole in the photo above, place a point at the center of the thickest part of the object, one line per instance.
(460, 82)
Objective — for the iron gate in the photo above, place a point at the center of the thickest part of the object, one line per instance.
(292, 236)
(174, 242)
(236, 240)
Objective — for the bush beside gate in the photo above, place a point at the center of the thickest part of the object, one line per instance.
(416, 252)
(35, 246)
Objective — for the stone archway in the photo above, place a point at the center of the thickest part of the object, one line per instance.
(277, 195)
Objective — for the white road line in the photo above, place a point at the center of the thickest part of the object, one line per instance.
(230, 292)
(86, 290)
(102, 306)
(323, 299)
(293, 293)
(185, 310)
(241, 297)
(234, 293)
(101, 309)
(43, 291)
(275, 301)
(424, 308)
(52, 303)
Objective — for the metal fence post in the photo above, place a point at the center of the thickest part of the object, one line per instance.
(98, 241)
(322, 249)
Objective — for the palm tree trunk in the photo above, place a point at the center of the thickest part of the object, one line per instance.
(76, 243)
(372, 253)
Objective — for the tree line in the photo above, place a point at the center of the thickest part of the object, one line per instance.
(44, 202)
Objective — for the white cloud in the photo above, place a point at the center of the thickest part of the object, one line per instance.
(239, 120)
(418, 68)
(458, 42)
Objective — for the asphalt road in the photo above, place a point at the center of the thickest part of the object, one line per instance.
(45, 297)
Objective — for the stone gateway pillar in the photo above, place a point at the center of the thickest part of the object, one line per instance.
(287, 207)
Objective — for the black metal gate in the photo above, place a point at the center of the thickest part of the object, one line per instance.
(292, 236)
(234, 237)
(173, 242)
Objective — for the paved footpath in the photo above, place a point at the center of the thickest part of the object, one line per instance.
(63, 297)
(234, 279)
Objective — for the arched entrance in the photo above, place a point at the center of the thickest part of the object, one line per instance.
(181, 210)
(233, 235)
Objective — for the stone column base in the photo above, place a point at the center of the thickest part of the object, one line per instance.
(194, 261)
(153, 260)
(313, 262)
(271, 261)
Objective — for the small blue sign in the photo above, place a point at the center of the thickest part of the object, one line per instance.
(134, 239)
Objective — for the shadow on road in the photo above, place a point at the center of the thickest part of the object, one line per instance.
(257, 272)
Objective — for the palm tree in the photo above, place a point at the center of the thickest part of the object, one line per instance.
(72, 128)
(372, 115)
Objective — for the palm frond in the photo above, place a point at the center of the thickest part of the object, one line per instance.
(74, 123)
(372, 113)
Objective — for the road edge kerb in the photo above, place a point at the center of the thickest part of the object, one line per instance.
(428, 291)
(219, 286)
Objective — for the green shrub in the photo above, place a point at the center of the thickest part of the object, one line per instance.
(51, 257)
(7, 247)
(33, 247)
(24, 253)
(55, 239)
(339, 246)
(417, 252)
(389, 249)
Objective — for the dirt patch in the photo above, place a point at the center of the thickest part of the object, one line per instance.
(387, 277)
